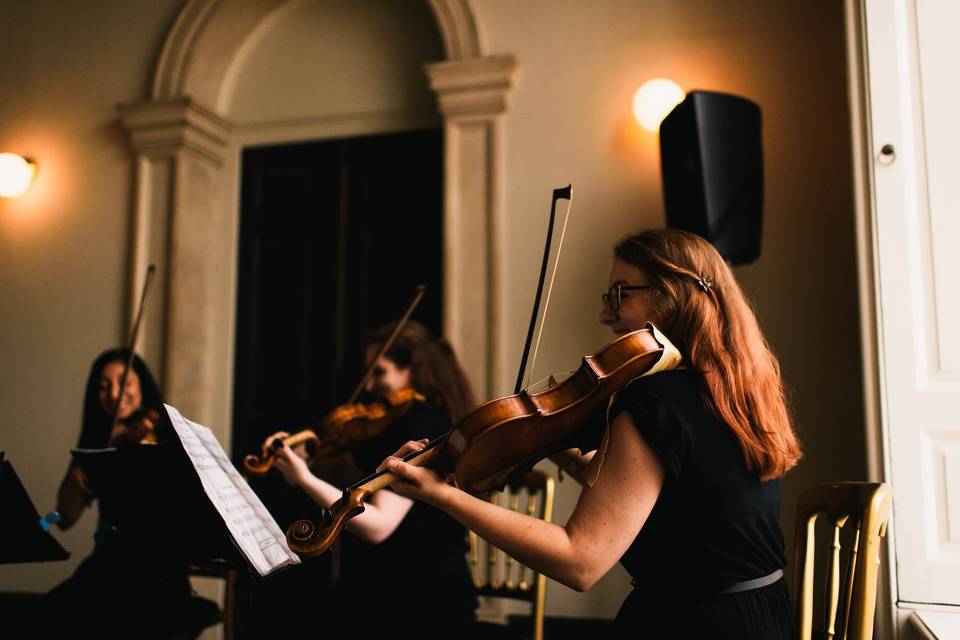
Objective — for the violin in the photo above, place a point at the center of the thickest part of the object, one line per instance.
(346, 426)
(504, 438)
(350, 423)
(140, 427)
(302, 535)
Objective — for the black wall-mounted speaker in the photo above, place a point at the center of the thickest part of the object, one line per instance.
(712, 163)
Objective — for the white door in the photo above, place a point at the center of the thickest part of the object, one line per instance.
(913, 51)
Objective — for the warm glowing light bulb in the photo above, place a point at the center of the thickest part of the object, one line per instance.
(654, 100)
(16, 174)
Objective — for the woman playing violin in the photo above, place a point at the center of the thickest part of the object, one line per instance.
(394, 529)
(686, 494)
(136, 411)
(120, 580)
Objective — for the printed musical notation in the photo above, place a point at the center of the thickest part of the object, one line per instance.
(251, 525)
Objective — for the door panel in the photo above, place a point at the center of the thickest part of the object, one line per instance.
(915, 134)
(334, 236)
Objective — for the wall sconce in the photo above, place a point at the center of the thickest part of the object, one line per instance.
(16, 174)
(654, 100)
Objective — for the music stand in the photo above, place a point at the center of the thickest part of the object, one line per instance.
(151, 494)
(22, 539)
(193, 503)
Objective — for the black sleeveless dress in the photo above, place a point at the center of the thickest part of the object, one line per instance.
(714, 524)
(416, 582)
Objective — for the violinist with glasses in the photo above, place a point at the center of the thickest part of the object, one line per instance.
(684, 489)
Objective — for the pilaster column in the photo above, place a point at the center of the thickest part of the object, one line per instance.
(182, 224)
(472, 95)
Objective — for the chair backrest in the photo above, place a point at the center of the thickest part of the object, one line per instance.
(497, 574)
(864, 506)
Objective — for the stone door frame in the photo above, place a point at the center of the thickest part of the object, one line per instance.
(185, 208)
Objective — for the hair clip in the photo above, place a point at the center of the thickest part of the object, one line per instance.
(705, 282)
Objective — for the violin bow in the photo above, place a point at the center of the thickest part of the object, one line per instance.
(253, 462)
(307, 539)
(563, 193)
(414, 301)
(134, 333)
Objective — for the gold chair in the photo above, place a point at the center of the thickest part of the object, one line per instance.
(497, 574)
(865, 506)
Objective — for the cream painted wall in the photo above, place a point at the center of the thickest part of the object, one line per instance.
(569, 121)
(63, 245)
(313, 60)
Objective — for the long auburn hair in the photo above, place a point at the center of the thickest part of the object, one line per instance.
(435, 371)
(698, 304)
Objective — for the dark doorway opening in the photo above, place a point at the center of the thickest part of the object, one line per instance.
(334, 237)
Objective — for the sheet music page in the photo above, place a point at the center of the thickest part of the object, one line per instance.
(249, 522)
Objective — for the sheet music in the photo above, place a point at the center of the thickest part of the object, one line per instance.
(251, 525)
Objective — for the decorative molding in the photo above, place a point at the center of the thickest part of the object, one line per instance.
(478, 88)
(207, 35)
(185, 215)
(165, 128)
(172, 64)
(471, 96)
(204, 41)
(458, 27)
(185, 184)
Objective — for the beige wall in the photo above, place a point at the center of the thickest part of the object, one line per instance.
(63, 247)
(570, 121)
(313, 60)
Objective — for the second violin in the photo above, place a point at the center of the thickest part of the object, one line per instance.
(352, 422)
(507, 436)
(342, 428)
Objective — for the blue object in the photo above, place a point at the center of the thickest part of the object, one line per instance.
(51, 518)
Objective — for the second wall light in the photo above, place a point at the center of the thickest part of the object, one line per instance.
(654, 100)
(16, 174)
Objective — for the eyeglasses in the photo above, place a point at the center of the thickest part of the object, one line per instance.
(614, 295)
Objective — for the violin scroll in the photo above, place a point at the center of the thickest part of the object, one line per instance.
(306, 539)
(256, 466)
(259, 466)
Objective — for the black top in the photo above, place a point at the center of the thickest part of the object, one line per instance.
(714, 524)
(420, 571)
(154, 520)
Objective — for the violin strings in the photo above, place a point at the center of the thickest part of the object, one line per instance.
(553, 276)
(547, 377)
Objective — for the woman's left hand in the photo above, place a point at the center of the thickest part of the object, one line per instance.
(292, 466)
(419, 483)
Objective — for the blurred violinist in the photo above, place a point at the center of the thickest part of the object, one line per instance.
(139, 405)
(394, 530)
(685, 490)
(113, 587)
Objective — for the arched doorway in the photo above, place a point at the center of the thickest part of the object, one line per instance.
(186, 211)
